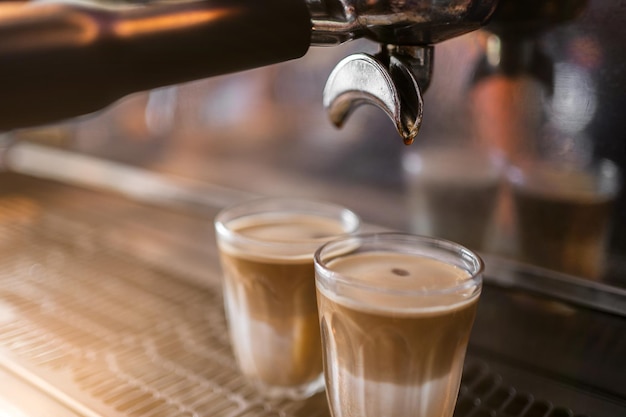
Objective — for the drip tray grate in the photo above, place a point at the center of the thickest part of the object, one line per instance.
(484, 394)
(120, 335)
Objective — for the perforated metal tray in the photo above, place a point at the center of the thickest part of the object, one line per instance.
(103, 308)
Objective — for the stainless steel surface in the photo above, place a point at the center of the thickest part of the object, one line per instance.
(555, 350)
(558, 286)
(412, 22)
(397, 77)
(118, 312)
(365, 79)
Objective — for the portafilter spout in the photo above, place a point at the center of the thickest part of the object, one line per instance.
(395, 78)
(392, 80)
(64, 58)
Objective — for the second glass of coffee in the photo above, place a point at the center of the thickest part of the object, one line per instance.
(266, 250)
(564, 213)
(396, 312)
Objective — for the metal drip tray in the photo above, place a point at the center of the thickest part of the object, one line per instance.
(484, 393)
(109, 317)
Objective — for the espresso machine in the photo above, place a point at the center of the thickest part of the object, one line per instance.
(126, 125)
(514, 88)
(105, 52)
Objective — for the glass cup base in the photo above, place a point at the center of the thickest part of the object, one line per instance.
(295, 393)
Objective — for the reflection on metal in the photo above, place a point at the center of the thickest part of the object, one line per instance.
(146, 25)
(574, 101)
(556, 285)
(393, 80)
(141, 185)
(409, 22)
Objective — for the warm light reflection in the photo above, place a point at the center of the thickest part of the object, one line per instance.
(8, 410)
(171, 22)
(73, 29)
(10, 8)
(574, 101)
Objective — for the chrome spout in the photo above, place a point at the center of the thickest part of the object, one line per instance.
(393, 81)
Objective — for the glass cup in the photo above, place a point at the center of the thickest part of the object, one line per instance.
(396, 311)
(452, 192)
(563, 213)
(266, 251)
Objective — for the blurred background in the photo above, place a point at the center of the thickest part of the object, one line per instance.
(521, 152)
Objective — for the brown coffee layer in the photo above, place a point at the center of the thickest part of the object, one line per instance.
(399, 349)
(281, 297)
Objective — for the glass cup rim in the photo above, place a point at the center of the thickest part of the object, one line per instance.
(473, 280)
(606, 173)
(287, 205)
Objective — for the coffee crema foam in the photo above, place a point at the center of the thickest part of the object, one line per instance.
(281, 237)
(397, 275)
(388, 354)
